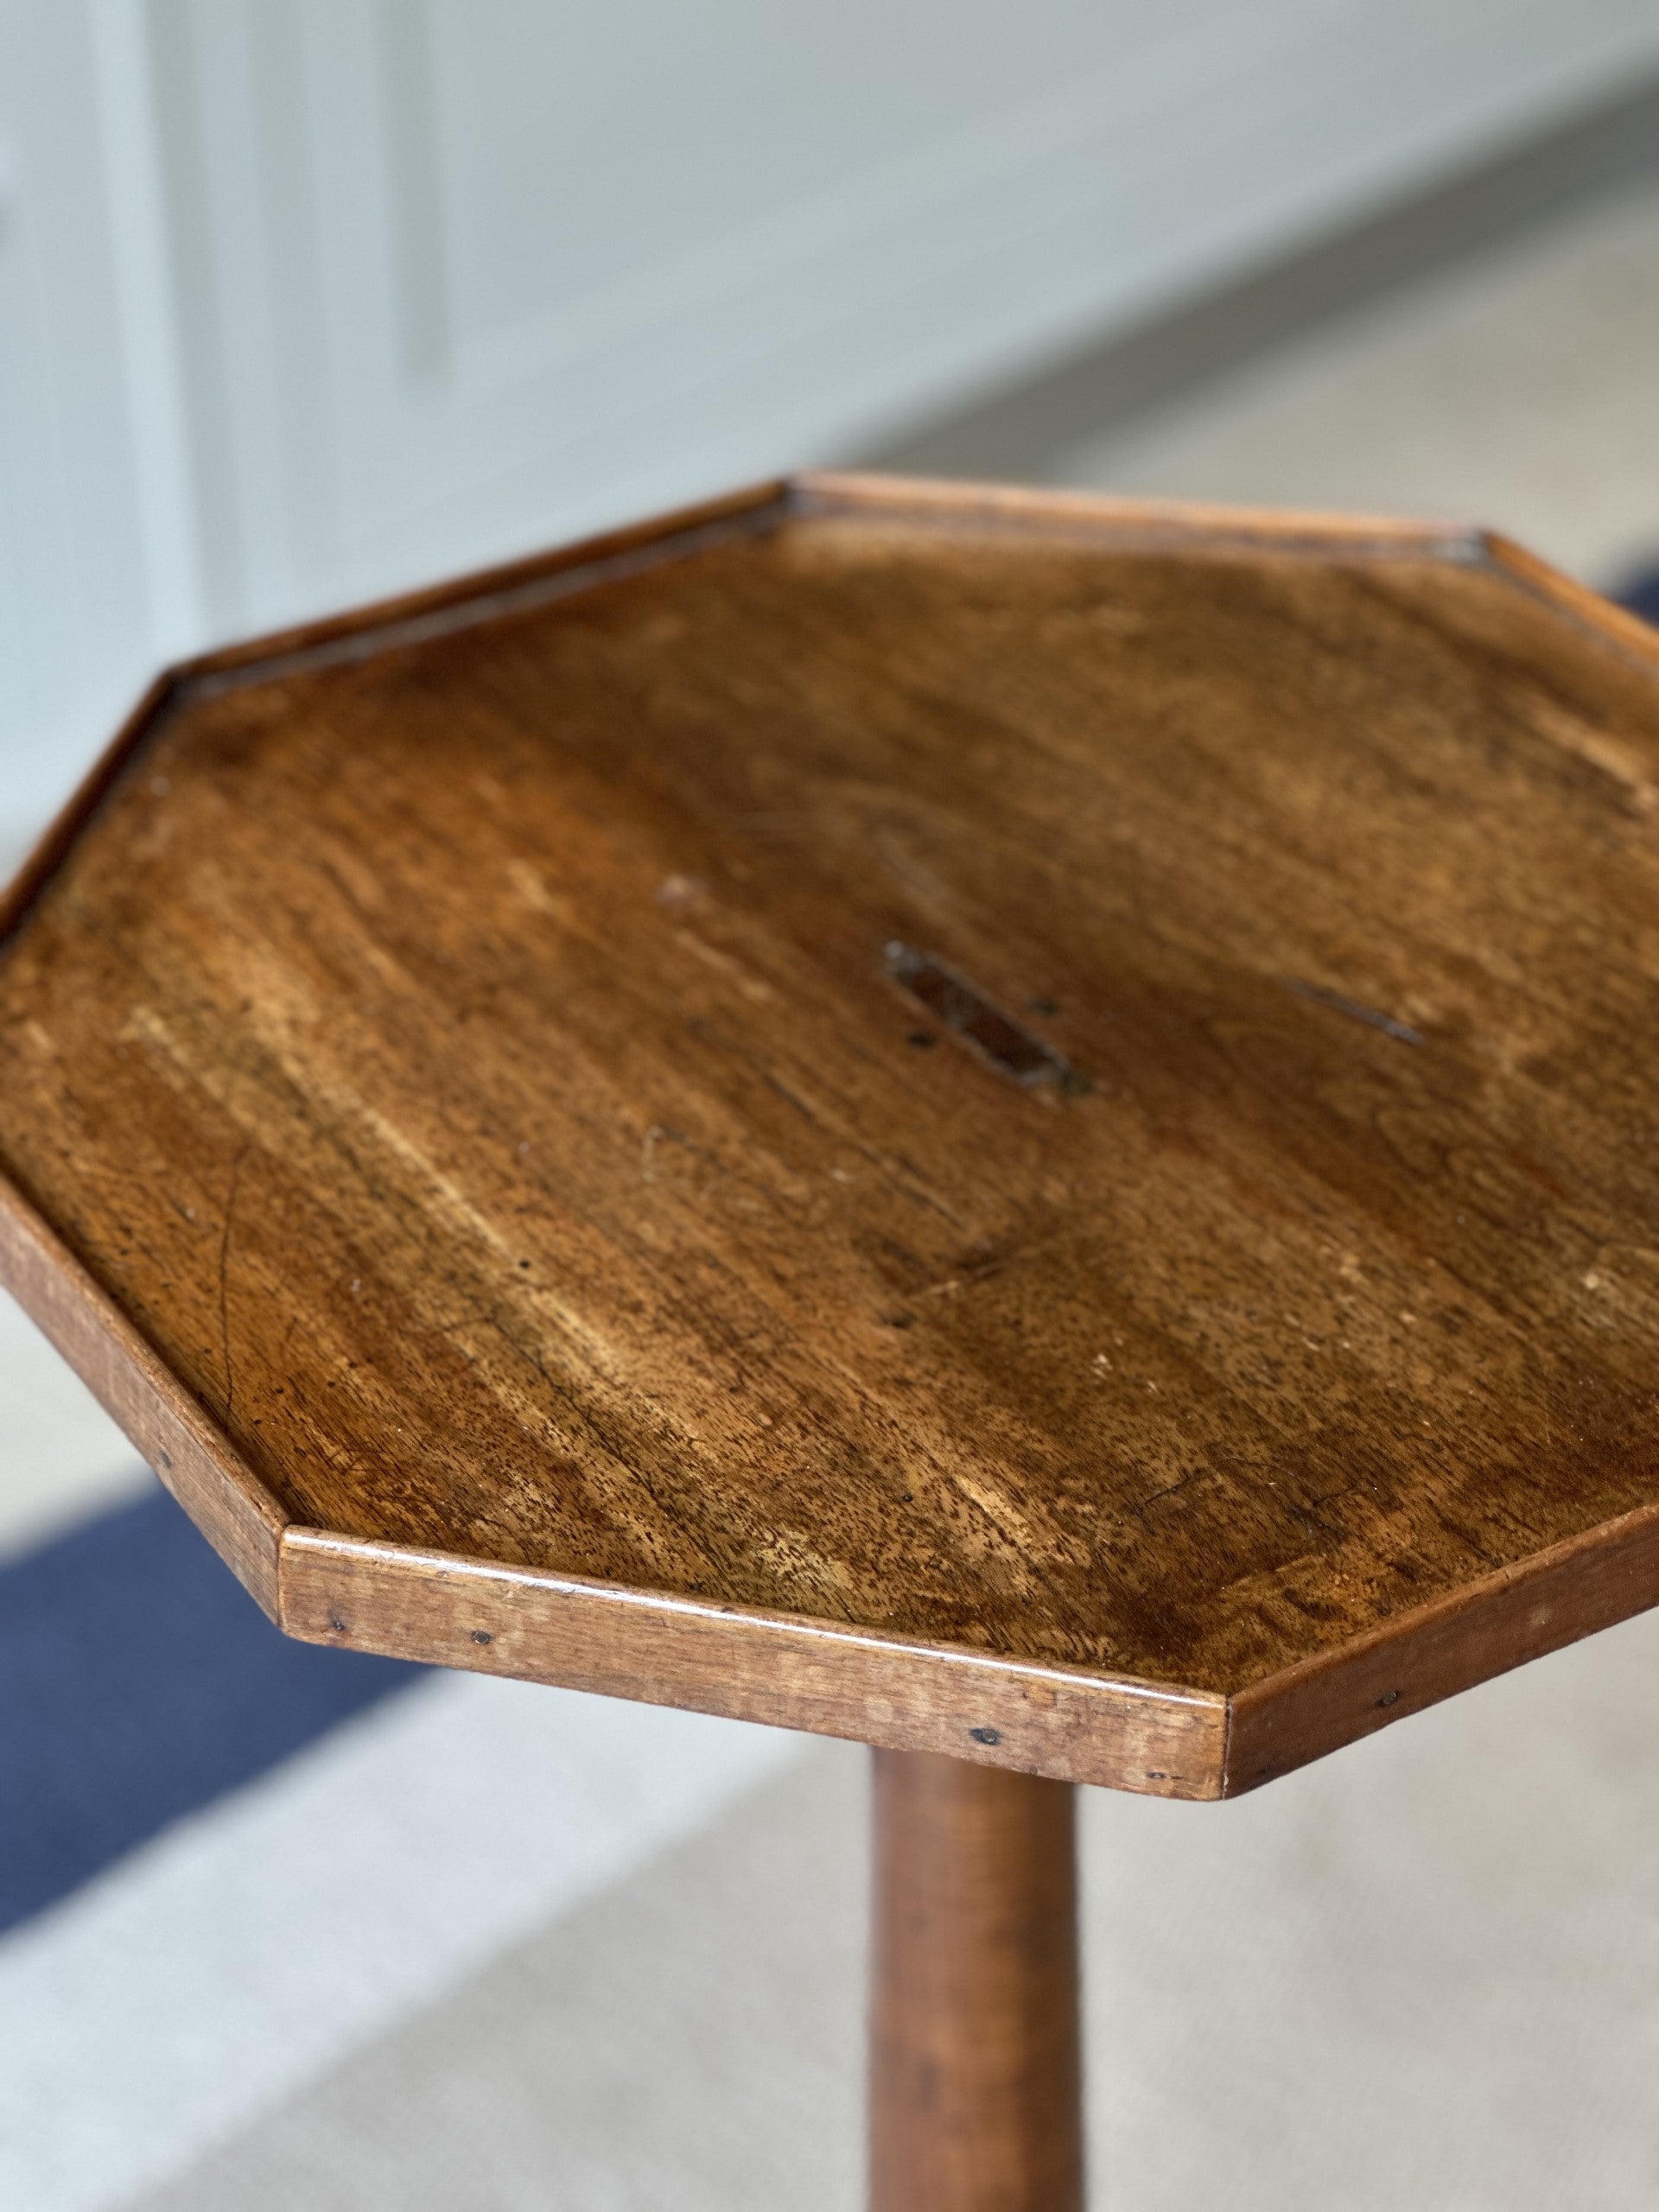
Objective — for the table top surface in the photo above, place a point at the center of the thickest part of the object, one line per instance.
(935, 1080)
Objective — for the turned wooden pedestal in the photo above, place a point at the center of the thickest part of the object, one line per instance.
(1020, 1129)
(974, 2087)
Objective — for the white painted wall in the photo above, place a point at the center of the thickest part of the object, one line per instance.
(306, 300)
(76, 625)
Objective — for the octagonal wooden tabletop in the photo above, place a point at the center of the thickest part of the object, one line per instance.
(987, 1121)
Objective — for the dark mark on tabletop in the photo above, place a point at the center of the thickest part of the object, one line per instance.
(1401, 1030)
(996, 1036)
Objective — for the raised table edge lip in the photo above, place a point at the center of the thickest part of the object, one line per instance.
(1066, 1722)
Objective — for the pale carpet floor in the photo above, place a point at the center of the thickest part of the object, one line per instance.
(1420, 1977)
(1521, 393)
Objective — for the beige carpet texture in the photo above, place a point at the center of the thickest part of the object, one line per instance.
(1422, 1974)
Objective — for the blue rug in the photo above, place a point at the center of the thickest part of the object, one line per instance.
(138, 1682)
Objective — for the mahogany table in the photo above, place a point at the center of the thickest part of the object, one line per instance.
(1022, 1128)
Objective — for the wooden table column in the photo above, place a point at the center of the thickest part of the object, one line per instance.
(974, 2083)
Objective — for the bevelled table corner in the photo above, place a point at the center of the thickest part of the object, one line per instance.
(1022, 1127)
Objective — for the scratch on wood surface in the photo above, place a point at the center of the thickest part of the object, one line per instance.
(1402, 1032)
(225, 1274)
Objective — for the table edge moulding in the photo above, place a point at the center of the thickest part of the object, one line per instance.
(890, 1691)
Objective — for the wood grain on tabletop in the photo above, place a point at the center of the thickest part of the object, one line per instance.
(1081, 1088)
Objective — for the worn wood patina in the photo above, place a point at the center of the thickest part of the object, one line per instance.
(993, 1122)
